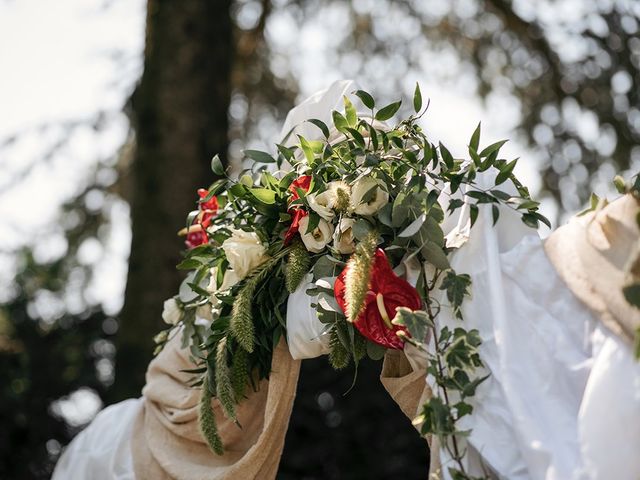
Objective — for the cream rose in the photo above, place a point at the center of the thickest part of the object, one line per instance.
(316, 240)
(343, 240)
(244, 251)
(171, 312)
(379, 199)
(229, 280)
(322, 204)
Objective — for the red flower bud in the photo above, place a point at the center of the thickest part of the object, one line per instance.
(387, 292)
(303, 183)
(210, 205)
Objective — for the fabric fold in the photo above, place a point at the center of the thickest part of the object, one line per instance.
(167, 443)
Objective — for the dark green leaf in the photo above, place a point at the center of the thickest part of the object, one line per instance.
(446, 156)
(375, 352)
(417, 98)
(475, 139)
(456, 287)
(632, 294)
(530, 220)
(259, 156)
(216, 165)
(367, 99)
(494, 147)
(433, 253)
(505, 172)
(286, 152)
(314, 221)
(385, 113)
(321, 125)
(473, 213)
(357, 136)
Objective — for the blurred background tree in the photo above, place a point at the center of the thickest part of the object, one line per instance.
(559, 78)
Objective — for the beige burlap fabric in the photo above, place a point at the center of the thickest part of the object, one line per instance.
(167, 443)
(596, 255)
(410, 391)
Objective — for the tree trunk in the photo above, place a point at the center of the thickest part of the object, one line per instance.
(179, 113)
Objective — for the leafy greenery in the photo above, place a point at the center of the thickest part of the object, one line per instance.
(387, 184)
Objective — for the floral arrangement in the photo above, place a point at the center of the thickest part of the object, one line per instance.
(355, 220)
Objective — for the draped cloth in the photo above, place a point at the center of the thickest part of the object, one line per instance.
(596, 255)
(167, 443)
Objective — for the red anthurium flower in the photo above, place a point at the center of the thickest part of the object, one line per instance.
(297, 214)
(303, 183)
(195, 238)
(387, 291)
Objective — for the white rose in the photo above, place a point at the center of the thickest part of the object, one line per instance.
(343, 240)
(229, 280)
(171, 312)
(318, 238)
(363, 186)
(244, 251)
(322, 204)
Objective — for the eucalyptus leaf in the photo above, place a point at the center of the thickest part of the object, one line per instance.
(361, 229)
(413, 227)
(434, 254)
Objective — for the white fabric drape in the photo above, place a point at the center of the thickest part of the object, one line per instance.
(102, 451)
(563, 398)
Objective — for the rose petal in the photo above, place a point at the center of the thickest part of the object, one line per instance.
(296, 215)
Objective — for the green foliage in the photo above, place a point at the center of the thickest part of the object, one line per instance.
(399, 176)
(240, 373)
(207, 420)
(241, 324)
(224, 386)
(298, 263)
(456, 287)
(339, 354)
(357, 278)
